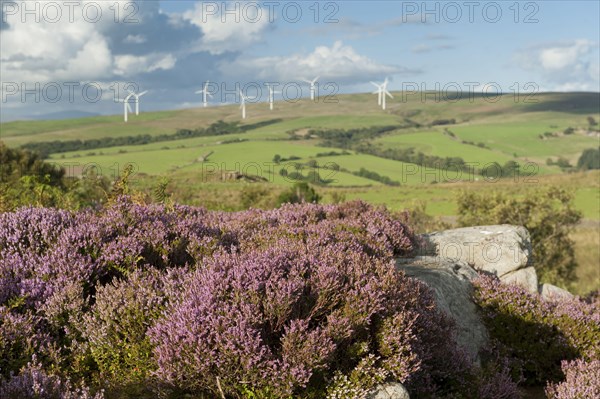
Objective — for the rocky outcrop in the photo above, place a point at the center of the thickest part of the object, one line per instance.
(496, 249)
(389, 391)
(552, 292)
(451, 283)
(526, 278)
(450, 261)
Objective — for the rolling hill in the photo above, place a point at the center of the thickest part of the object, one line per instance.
(482, 132)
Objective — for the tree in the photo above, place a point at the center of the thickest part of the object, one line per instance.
(299, 193)
(589, 159)
(549, 216)
(27, 180)
(592, 121)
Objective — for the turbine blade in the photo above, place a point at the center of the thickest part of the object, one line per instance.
(142, 93)
(375, 84)
(389, 94)
(376, 92)
(199, 92)
(129, 107)
(210, 95)
(315, 79)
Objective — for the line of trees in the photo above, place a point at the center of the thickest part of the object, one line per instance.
(45, 148)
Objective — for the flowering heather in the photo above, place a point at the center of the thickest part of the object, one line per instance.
(302, 301)
(125, 308)
(582, 381)
(536, 333)
(34, 383)
(277, 322)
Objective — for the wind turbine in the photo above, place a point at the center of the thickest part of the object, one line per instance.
(271, 92)
(204, 93)
(384, 92)
(126, 106)
(312, 87)
(378, 92)
(137, 100)
(243, 105)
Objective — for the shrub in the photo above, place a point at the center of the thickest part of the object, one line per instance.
(25, 179)
(116, 325)
(300, 192)
(589, 159)
(20, 340)
(549, 216)
(582, 381)
(537, 334)
(34, 383)
(279, 322)
(303, 300)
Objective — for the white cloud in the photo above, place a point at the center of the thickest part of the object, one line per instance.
(339, 62)
(135, 39)
(564, 66)
(130, 65)
(560, 57)
(426, 48)
(227, 32)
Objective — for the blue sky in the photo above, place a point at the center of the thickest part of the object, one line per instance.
(171, 47)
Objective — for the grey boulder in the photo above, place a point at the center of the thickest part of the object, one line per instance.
(552, 292)
(393, 390)
(526, 278)
(451, 284)
(498, 249)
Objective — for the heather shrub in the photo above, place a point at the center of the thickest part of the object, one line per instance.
(302, 301)
(537, 334)
(372, 230)
(55, 250)
(115, 327)
(34, 383)
(288, 320)
(582, 381)
(20, 340)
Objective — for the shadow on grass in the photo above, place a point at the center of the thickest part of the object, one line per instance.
(573, 103)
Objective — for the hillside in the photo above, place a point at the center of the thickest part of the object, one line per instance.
(382, 149)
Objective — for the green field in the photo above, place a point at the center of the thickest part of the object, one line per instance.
(504, 129)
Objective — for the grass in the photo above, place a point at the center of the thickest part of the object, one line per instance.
(587, 254)
(509, 130)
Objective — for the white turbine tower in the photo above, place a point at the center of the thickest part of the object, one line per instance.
(137, 100)
(384, 92)
(271, 97)
(378, 92)
(243, 105)
(205, 94)
(312, 86)
(126, 106)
